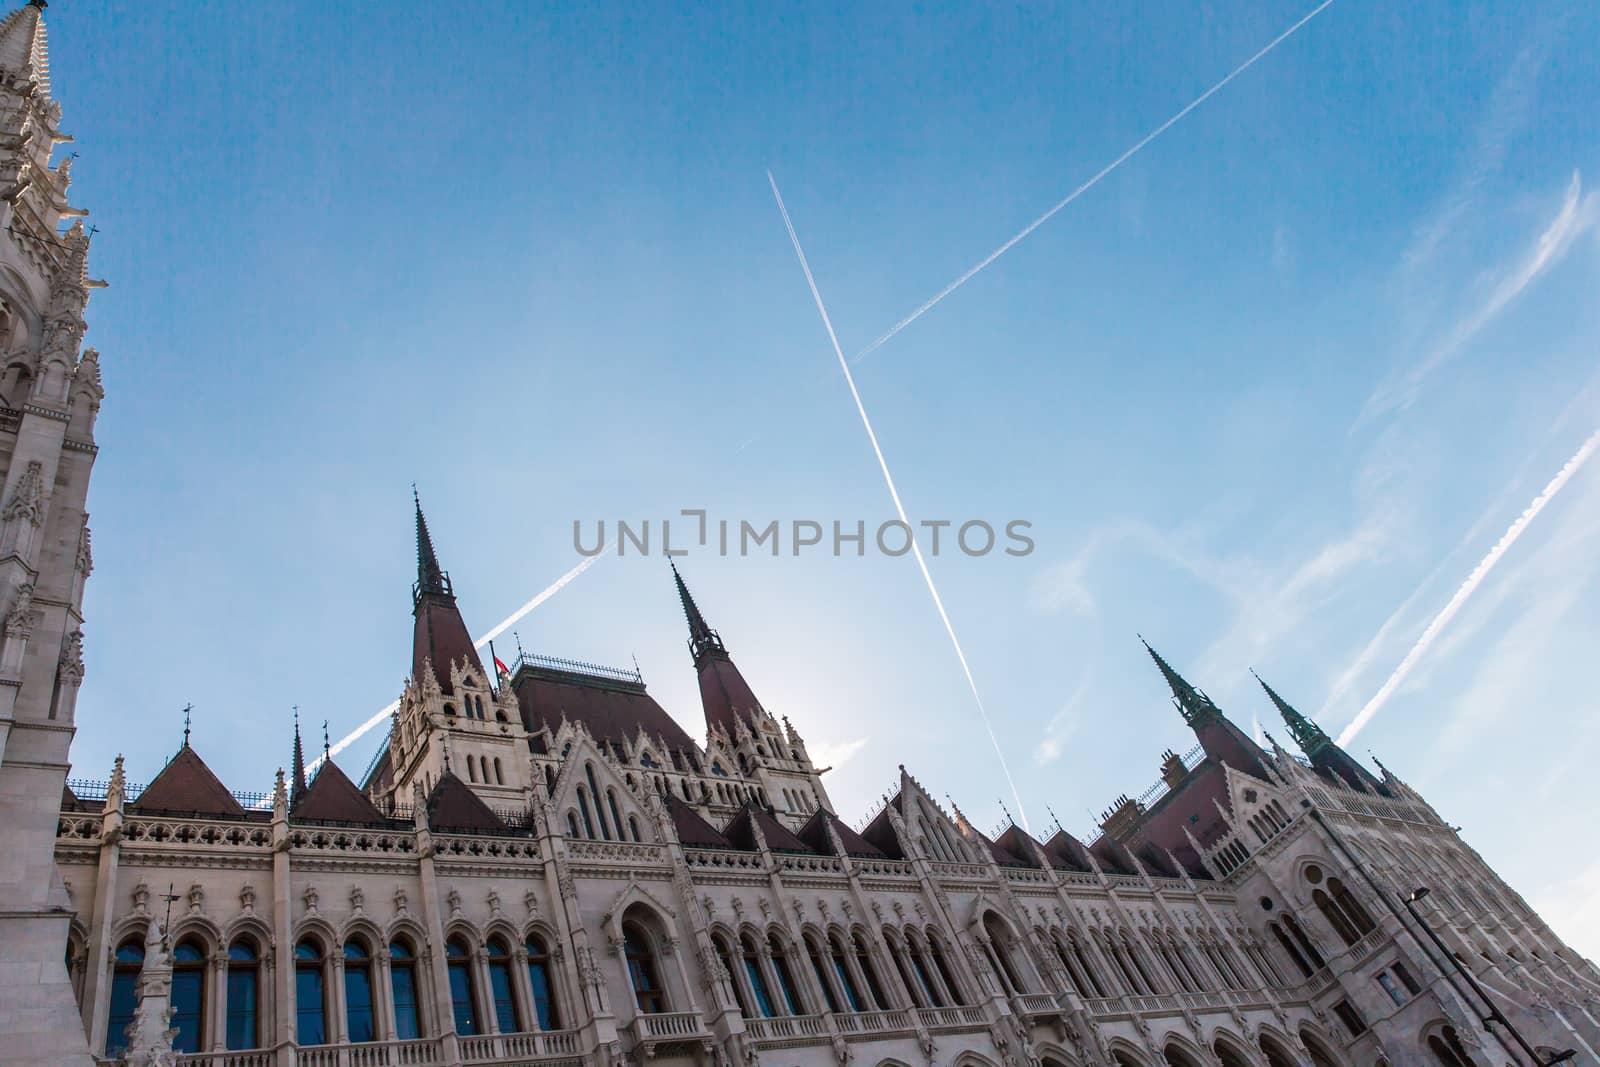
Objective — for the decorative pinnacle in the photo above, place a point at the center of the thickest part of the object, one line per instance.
(703, 640)
(430, 576)
(1306, 733)
(187, 708)
(1197, 708)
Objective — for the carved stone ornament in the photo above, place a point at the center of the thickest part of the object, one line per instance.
(247, 900)
(71, 662)
(358, 899)
(400, 901)
(20, 619)
(453, 899)
(309, 898)
(27, 499)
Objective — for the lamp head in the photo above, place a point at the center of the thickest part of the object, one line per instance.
(1418, 894)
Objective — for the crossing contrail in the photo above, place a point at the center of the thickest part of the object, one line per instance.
(1086, 186)
(894, 494)
(1470, 586)
(505, 624)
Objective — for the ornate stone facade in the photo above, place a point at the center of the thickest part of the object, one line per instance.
(542, 867)
(49, 398)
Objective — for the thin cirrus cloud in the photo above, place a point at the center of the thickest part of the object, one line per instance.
(1576, 215)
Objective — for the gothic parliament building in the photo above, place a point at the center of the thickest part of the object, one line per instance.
(541, 867)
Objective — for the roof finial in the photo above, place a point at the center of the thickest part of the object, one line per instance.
(299, 785)
(187, 708)
(1306, 733)
(430, 576)
(703, 640)
(326, 748)
(1197, 708)
(1049, 811)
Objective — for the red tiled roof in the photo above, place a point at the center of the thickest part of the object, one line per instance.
(779, 837)
(692, 829)
(609, 710)
(332, 797)
(1067, 853)
(1017, 842)
(724, 693)
(453, 806)
(187, 784)
(814, 834)
(441, 638)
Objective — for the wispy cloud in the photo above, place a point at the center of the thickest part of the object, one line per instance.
(1573, 907)
(836, 753)
(1577, 213)
(1468, 587)
(1062, 725)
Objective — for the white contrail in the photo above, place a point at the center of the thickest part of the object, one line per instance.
(894, 494)
(1470, 586)
(1086, 186)
(510, 620)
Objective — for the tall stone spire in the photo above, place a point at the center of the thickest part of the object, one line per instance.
(703, 640)
(298, 789)
(430, 577)
(726, 697)
(1306, 733)
(1326, 757)
(440, 639)
(23, 48)
(1196, 708)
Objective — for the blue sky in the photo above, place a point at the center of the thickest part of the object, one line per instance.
(1267, 393)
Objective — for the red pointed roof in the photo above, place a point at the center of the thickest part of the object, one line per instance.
(440, 637)
(724, 694)
(779, 837)
(454, 807)
(186, 784)
(1018, 843)
(1067, 853)
(693, 831)
(814, 833)
(332, 797)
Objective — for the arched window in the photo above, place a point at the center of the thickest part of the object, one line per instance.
(1291, 924)
(1089, 972)
(919, 964)
(483, 761)
(403, 987)
(309, 1007)
(1346, 902)
(540, 979)
(643, 973)
(870, 973)
(1336, 918)
(633, 828)
(244, 995)
(616, 816)
(725, 957)
(125, 968)
(358, 991)
(1446, 1048)
(852, 995)
(936, 951)
(1229, 1056)
(594, 791)
(583, 809)
(499, 779)
(472, 771)
(815, 955)
(188, 996)
(458, 962)
(572, 824)
(901, 957)
(758, 981)
(500, 988)
(785, 973)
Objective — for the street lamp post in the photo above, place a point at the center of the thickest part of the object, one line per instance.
(1495, 1015)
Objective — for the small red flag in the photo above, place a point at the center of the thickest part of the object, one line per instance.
(501, 667)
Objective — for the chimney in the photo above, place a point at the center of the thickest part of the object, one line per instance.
(1172, 769)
